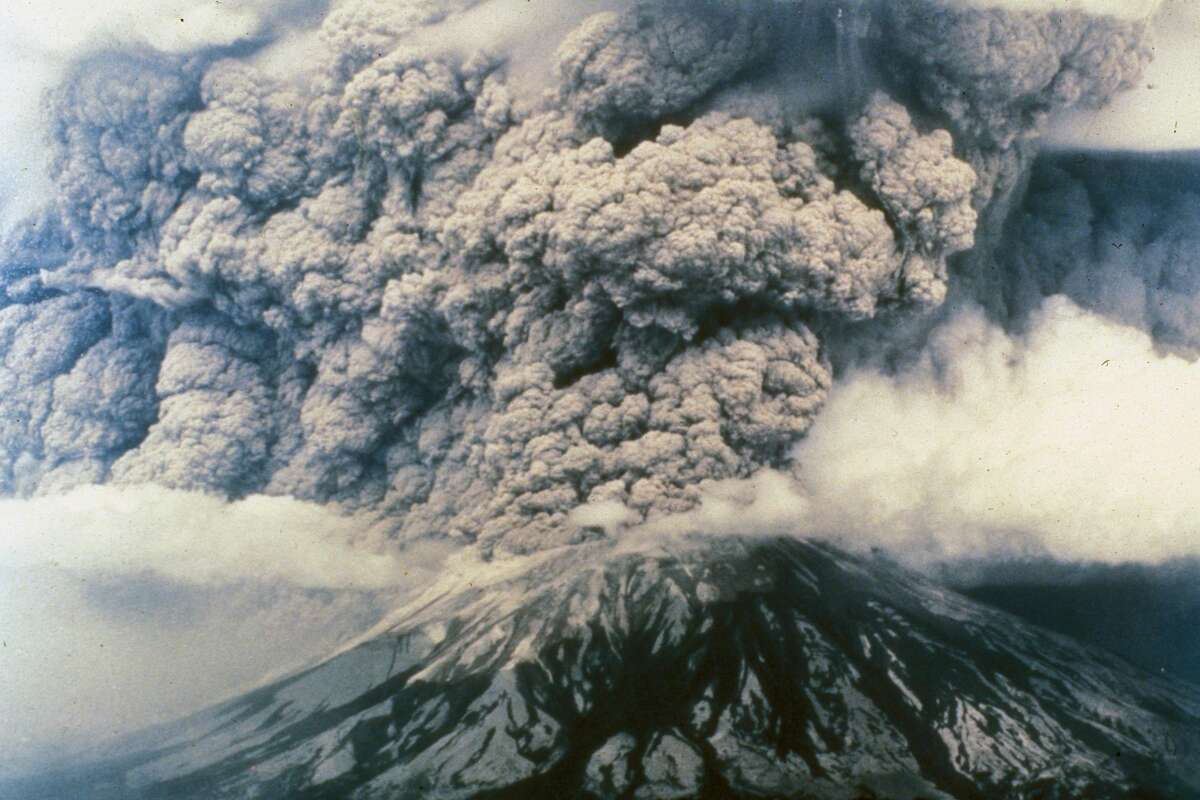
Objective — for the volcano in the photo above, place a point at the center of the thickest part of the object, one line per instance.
(721, 668)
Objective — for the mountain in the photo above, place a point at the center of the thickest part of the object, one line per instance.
(722, 668)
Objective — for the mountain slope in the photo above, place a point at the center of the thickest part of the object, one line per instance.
(727, 668)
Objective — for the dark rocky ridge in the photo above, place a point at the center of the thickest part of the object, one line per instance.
(726, 668)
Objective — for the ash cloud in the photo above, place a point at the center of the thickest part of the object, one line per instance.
(40, 42)
(1117, 235)
(1130, 9)
(405, 286)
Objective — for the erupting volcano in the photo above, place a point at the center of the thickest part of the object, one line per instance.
(639, 373)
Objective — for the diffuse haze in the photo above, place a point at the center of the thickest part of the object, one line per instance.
(410, 284)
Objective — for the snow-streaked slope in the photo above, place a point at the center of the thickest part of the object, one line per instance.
(727, 668)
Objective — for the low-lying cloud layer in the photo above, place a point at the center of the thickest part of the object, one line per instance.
(192, 538)
(121, 607)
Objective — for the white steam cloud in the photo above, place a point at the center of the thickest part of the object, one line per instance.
(1077, 439)
(191, 538)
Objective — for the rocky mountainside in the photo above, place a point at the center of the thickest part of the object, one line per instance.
(720, 669)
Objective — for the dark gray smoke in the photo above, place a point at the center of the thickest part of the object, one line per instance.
(1119, 236)
(399, 283)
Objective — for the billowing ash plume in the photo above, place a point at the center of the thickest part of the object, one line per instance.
(398, 283)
